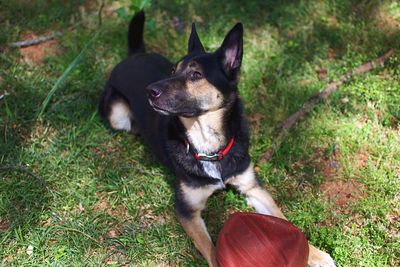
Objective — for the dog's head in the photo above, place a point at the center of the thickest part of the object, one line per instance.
(201, 81)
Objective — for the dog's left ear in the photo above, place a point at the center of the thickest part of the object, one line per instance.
(194, 44)
(232, 51)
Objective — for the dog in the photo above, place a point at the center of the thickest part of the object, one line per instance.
(191, 117)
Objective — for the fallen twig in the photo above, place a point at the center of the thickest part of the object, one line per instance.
(45, 38)
(99, 13)
(26, 170)
(288, 124)
(38, 40)
(64, 228)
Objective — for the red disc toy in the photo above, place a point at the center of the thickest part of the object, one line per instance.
(256, 240)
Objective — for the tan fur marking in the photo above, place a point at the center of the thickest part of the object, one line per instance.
(257, 197)
(197, 197)
(205, 132)
(178, 66)
(193, 65)
(318, 258)
(196, 229)
(205, 93)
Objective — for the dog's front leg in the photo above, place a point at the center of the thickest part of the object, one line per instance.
(190, 201)
(196, 229)
(262, 201)
(257, 197)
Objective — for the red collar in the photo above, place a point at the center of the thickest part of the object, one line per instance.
(211, 157)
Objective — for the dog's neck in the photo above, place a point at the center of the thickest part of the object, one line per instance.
(206, 133)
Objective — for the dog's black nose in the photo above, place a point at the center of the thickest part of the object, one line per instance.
(154, 92)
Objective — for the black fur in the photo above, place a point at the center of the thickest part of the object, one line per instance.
(135, 34)
(133, 80)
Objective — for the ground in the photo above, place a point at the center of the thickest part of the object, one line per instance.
(72, 191)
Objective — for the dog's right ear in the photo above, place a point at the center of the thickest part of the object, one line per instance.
(194, 44)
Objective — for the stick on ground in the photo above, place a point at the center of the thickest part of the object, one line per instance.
(36, 41)
(45, 38)
(285, 126)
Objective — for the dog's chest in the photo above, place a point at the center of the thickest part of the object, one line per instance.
(205, 133)
(207, 141)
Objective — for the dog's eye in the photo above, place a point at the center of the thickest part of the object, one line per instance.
(195, 75)
(173, 70)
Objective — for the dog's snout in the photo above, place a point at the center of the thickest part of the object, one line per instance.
(154, 92)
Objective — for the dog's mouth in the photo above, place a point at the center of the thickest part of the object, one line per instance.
(166, 112)
(159, 109)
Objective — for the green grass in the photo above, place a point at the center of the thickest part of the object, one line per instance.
(81, 194)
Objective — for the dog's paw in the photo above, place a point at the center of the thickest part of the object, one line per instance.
(318, 258)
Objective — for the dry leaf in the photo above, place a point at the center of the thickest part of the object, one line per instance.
(322, 74)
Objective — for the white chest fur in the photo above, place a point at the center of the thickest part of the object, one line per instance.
(206, 134)
(212, 169)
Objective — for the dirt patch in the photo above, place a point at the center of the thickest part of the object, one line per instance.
(393, 218)
(46, 223)
(35, 54)
(331, 54)
(41, 133)
(116, 256)
(112, 233)
(343, 193)
(148, 217)
(104, 151)
(4, 225)
(8, 260)
(145, 213)
(327, 162)
(322, 74)
(118, 211)
(361, 121)
(361, 159)
(256, 119)
(387, 22)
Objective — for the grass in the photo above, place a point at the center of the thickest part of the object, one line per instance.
(81, 194)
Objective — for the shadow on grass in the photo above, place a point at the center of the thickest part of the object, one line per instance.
(25, 192)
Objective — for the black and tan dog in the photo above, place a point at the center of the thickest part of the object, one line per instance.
(191, 116)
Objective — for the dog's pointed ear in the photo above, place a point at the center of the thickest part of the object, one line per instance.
(194, 44)
(232, 51)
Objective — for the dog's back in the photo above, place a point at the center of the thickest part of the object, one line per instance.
(124, 98)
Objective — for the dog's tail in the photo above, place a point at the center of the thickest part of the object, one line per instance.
(135, 34)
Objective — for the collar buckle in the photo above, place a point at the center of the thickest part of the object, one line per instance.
(205, 157)
(211, 157)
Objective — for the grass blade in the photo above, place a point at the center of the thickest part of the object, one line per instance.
(65, 74)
